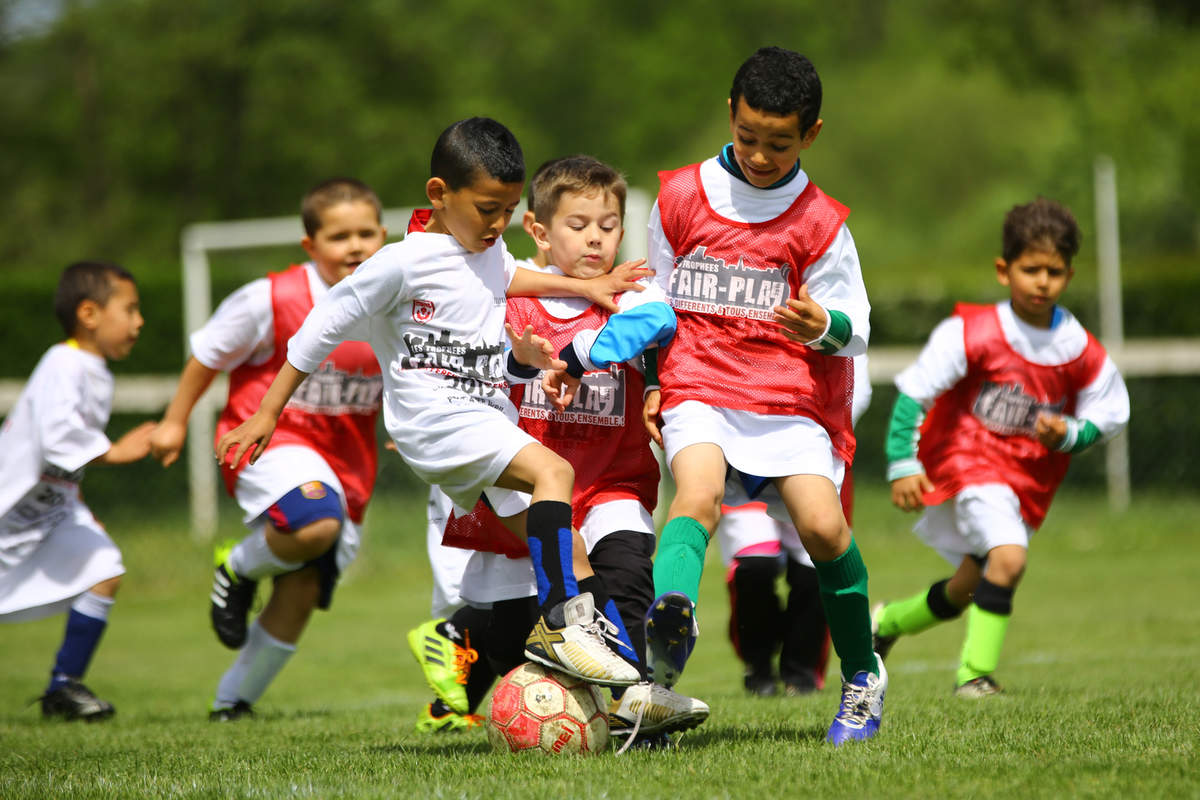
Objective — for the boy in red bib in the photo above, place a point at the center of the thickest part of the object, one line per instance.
(304, 500)
(982, 433)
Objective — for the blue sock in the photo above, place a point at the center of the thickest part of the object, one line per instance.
(79, 643)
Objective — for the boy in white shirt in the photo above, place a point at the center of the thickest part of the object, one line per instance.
(54, 555)
(432, 308)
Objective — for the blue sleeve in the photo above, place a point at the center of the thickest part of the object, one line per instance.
(630, 332)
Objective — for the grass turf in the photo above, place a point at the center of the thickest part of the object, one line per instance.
(1099, 669)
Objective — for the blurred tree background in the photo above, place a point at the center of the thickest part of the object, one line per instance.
(124, 120)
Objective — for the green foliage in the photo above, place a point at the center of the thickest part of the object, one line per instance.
(1100, 695)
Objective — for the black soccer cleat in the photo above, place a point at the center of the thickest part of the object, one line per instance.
(231, 598)
(72, 700)
(239, 710)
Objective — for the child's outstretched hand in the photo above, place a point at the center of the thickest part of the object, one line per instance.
(532, 350)
(133, 446)
(1050, 430)
(250, 437)
(908, 492)
(650, 417)
(803, 319)
(560, 387)
(621, 278)
(166, 440)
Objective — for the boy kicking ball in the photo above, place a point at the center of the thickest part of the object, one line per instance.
(1012, 391)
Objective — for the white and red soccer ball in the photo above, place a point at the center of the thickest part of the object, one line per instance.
(534, 708)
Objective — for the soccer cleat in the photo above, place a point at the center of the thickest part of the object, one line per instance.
(880, 644)
(72, 700)
(446, 665)
(760, 684)
(450, 722)
(861, 711)
(239, 710)
(570, 638)
(231, 598)
(800, 684)
(671, 632)
(652, 709)
(983, 686)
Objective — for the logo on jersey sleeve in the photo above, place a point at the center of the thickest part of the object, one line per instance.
(1006, 409)
(600, 400)
(702, 283)
(422, 311)
(313, 490)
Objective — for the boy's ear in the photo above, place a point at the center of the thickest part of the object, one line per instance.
(435, 190)
(1002, 271)
(810, 135)
(541, 237)
(87, 314)
(307, 244)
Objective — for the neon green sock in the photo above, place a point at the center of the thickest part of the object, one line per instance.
(680, 558)
(843, 583)
(981, 649)
(907, 616)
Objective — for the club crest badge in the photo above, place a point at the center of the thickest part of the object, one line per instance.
(422, 311)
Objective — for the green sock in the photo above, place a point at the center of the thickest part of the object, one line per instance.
(907, 616)
(843, 584)
(680, 558)
(985, 638)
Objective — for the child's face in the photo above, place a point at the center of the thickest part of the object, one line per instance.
(110, 330)
(583, 235)
(1035, 279)
(477, 214)
(765, 145)
(350, 233)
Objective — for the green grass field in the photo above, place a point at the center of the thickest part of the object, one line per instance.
(1100, 669)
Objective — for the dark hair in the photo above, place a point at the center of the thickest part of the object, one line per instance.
(474, 148)
(781, 82)
(1041, 225)
(330, 193)
(85, 280)
(581, 174)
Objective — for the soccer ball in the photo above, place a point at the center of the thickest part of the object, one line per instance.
(538, 709)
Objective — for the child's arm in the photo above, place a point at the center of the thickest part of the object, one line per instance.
(600, 290)
(171, 432)
(651, 402)
(253, 435)
(831, 308)
(1101, 411)
(133, 446)
(907, 475)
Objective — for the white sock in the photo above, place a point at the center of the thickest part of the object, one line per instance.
(259, 661)
(252, 558)
(93, 605)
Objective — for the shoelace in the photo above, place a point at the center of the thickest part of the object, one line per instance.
(604, 628)
(855, 706)
(464, 657)
(637, 720)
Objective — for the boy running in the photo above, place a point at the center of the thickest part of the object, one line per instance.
(432, 309)
(1011, 390)
(54, 556)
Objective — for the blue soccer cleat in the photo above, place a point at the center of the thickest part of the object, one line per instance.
(671, 632)
(861, 711)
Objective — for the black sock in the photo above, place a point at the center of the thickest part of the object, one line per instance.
(548, 531)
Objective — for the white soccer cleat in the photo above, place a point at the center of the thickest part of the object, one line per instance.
(649, 708)
(571, 638)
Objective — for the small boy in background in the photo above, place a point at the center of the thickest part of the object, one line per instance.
(304, 500)
(54, 555)
(1012, 390)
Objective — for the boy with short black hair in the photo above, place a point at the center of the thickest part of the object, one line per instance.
(304, 501)
(54, 555)
(761, 305)
(432, 309)
(1011, 390)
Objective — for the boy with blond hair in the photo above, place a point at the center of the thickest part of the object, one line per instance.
(54, 556)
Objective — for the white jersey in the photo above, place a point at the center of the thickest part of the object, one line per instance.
(943, 363)
(51, 547)
(433, 313)
(242, 329)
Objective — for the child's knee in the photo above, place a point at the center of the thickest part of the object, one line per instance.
(312, 515)
(702, 503)
(1006, 565)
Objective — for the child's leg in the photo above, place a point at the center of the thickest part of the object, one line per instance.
(942, 601)
(816, 511)
(699, 472)
(86, 623)
(754, 618)
(271, 639)
(987, 619)
(805, 649)
(622, 561)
